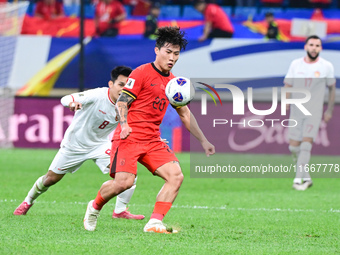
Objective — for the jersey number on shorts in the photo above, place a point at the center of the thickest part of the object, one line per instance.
(104, 124)
(159, 103)
(309, 128)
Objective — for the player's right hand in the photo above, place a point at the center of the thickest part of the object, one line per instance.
(327, 116)
(73, 106)
(202, 38)
(209, 149)
(126, 130)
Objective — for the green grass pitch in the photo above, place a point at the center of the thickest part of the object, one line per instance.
(215, 216)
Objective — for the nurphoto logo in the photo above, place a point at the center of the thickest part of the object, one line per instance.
(238, 99)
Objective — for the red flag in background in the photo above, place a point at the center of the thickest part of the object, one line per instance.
(69, 26)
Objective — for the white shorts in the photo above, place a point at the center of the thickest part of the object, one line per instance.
(307, 126)
(68, 161)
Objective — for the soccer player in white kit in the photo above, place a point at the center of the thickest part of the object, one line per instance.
(87, 138)
(314, 74)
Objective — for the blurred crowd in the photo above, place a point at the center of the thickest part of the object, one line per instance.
(108, 14)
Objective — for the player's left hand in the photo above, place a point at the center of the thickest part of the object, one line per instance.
(208, 148)
(73, 106)
(327, 116)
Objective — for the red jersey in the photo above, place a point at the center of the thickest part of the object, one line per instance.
(146, 84)
(218, 18)
(107, 12)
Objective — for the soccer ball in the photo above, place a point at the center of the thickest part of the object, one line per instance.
(179, 91)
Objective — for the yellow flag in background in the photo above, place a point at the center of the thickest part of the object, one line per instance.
(43, 82)
(260, 27)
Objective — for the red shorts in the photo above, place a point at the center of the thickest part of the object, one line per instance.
(125, 154)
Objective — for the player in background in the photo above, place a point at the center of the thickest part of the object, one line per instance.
(314, 74)
(216, 22)
(141, 108)
(87, 138)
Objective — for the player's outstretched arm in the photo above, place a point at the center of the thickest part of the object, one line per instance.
(331, 100)
(206, 31)
(122, 104)
(191, 124)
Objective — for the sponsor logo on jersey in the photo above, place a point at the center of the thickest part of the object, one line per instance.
(130, 83)
(153, 84)
(102, 112)
(317, 74)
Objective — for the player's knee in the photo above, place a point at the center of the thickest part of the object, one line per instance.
(124, 185)
(177, 179)
(180, 179)
(51, 178)
(306, 146)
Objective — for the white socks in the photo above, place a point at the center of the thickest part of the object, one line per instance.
(302, 160)
(295, 150)
(124, 198)
(37, 189)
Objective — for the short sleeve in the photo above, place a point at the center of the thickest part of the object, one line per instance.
(86, 97)
(210, 12)
(134, 84)
(120, 9)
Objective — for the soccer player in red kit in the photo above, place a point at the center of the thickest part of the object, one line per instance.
(217, 23)
(141, 109)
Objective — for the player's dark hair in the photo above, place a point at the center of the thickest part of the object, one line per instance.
(172, 35)
(312, 37)
(120, 70)
(197, 2)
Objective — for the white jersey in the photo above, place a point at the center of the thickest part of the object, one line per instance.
(312, 76)
(93, 123)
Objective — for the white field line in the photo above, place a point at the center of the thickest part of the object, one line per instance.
(195, 207)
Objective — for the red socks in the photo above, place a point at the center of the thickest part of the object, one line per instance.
(160, 210)
(99, 202)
